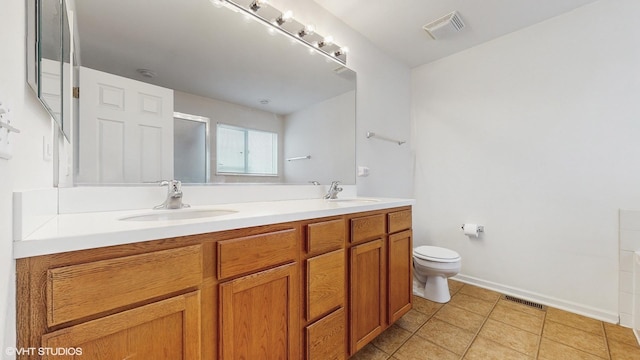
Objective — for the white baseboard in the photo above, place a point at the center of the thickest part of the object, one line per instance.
(541, 299)
(636, 332)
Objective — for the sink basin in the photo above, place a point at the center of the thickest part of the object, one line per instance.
(166, 215)
(353, 200)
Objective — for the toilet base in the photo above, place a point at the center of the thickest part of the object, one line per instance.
(436, 289)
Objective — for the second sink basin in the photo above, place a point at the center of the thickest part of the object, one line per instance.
(165, 215)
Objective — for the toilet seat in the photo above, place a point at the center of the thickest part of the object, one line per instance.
(436, 254)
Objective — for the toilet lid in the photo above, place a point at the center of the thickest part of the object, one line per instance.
(435, 253)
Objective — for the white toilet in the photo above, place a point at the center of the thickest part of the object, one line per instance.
(432, 266)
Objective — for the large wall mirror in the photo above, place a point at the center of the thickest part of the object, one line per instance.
(199, 93)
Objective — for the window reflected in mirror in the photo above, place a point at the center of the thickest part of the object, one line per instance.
(246, 152)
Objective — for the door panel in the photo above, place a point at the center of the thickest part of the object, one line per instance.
(259, 315)
(367, 293)
(400, 277)
(125, 130)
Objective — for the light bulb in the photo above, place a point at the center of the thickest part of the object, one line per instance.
(328, 40)
(308, 30)
(287, 16)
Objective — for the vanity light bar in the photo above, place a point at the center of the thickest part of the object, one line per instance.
(326, 46)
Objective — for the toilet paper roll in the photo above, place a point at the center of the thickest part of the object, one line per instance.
(471, 230)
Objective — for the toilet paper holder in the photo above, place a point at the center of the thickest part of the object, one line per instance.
(480, 228)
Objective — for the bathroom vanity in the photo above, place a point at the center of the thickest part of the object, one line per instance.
(321, 285)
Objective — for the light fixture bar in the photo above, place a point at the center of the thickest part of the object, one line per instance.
(339, 55)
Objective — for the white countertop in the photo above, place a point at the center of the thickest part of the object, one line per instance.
(71, 232)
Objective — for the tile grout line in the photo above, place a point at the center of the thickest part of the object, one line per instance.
(544, 320)
(606, 340)
(420, 327)
(486, 318)
(413, 333)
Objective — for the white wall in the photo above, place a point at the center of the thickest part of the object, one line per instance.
(330, 147)
(535, 135)
(26, 170)
(382, 103)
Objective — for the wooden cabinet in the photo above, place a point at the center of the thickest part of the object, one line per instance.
(116, 303)
(399, 276)
(167, 329)
(258, 315)
(368, 290)
(399, 220)
(80, 290)
(325, 282)
(400, 264)
(251, 253)
(367, 228)
(259, 311)
(381, 278)
(326, 337)
(325, 236)
(318, 289)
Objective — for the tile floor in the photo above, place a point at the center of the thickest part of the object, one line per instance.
(477, 324)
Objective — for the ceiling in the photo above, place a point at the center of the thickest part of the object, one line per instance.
(395, 26)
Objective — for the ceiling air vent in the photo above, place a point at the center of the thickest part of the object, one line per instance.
(444, 26)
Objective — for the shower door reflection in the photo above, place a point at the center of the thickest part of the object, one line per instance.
(191, 148)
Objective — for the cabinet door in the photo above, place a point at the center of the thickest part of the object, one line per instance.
(325, 283)
(167, 329)
(400, 277)
(326, 337)
(367, 303)
(259, 315)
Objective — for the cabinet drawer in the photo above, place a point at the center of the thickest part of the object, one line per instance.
(167, 329)
(399, 220)
(77, 291)
(252, 253)
(326, 338)
(325, 283)
(325, 236)
(367, 227)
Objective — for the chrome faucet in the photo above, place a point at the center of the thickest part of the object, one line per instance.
(174, 196)
(333, 190)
